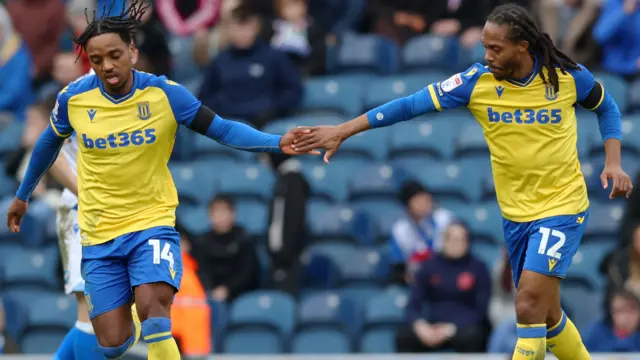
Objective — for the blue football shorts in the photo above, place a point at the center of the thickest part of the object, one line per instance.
(545, 246)
(111, 270)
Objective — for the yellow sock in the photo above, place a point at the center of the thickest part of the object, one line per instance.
(136, 322)
(531, 343)
(564, 341)
(156, 332)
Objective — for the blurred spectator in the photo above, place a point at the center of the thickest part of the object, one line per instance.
(250, 80)
(398, 19)
(208, 43)
(503, 299)
(190, 314)
(186, 17)
(66, 69)
(110, 7)
(620, 330)
(228, 264)
(77, 11)
(455, 288)
(623, 268)
(297, 34)
(569, 23)
(416, 236)
(16, 92)
(40, 23)
(155, 57)
(618, 32)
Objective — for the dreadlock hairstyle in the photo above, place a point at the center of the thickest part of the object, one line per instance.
(126, 24)
(524, 28)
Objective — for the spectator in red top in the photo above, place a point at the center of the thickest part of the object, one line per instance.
(186, 17)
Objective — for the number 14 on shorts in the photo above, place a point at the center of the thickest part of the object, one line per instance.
(165, 254)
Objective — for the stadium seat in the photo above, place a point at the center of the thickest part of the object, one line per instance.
(630, 134)
(456, 180)
(386, 308)
(253, 216)
(487, 253)
(471, 56)
(51, 311)
(8, 186)
(584, 303)
(383, 213)
(471, 142)
(10, 138)
(319, 341)
(339, 222)
(382, 90)
(27, 268)
(332, 93)
(195, 219)
(376, 180)
(364, 265)
(634, 96)
(42, 341)
(195, 181)
(360, 294)
(616, 86)
(378, 341)
(604, 218)
(484, 219)
(370, 145)
(251, 181)
(367, 54)
(432, 138)
(586, 262)
(320, 272)
(327, 309)
(252, 341)
(272, 309)
(331, 181)
(429, 51)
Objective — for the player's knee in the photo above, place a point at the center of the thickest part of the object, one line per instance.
(154, 301)
(554, 315)
(115, 351)
(530, 307)
(112, 340)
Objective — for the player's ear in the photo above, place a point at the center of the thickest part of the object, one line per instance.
(134, 54)
(523, 46)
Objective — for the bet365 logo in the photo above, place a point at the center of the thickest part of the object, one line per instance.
(525, 116)
(123, 139)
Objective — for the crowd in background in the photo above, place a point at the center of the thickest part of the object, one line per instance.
(248, 59)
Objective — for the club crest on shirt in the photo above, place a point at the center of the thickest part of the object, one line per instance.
(144, 111)
(550, 93)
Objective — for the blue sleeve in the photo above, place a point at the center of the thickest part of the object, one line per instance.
(610, 22)
(594, 97)
(183, 104)
(43, 155)
(242, 137)
(448, 94)
(417, 295)
(59, 120)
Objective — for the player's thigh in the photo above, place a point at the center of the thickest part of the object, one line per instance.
(70, 249)
(515, 235)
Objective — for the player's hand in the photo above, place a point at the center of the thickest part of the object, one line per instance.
(621, 182)
(287, 141)
(328, 138)
(17, 210)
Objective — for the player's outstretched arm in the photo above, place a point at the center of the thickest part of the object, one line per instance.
(43, 155)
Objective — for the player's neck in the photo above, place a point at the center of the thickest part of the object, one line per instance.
(525, 69)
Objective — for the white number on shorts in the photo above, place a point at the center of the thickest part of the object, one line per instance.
(553, 250)
(166, 253)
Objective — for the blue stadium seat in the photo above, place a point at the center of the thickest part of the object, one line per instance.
(26, 268)
(331, 181)
(385, 89)
(320, 272)
(42, 341)
(586, 262)
(318, 341)
(367, 54)
(272, 309)
(471, 56)
(383, 213)
(283, 125)
(634, 96)
(247, 181)
(252, 341)
(585, 304)
(487, 253)
(376, 180)
(429, 51)
(338, 252)
(364, 265)
(616, 86)
(484, 219)
(459, 180)
(8, 186)
(378, 341)
(219, 319)
(387, 308)
(370, 145)
(333, 93)
(361, 293)
(10, 138)
(339, 222)
(51, 311)
(195, 219)
(196, 182)
(471, 142)
(604, 218)
(630, 134)
(328, 309)
(253, 216)
(432, 138)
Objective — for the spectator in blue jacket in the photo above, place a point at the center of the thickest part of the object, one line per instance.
(16, 92)
(620, 330)
(250, 80)
(618, 32)
(448, 307)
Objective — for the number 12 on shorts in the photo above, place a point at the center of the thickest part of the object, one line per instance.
(552, 251)
(165, 254)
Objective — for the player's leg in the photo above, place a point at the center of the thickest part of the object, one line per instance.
(109, 297)
(155, 268)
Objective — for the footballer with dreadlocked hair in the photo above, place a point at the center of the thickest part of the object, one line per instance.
(125, 123)
(525, 100)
